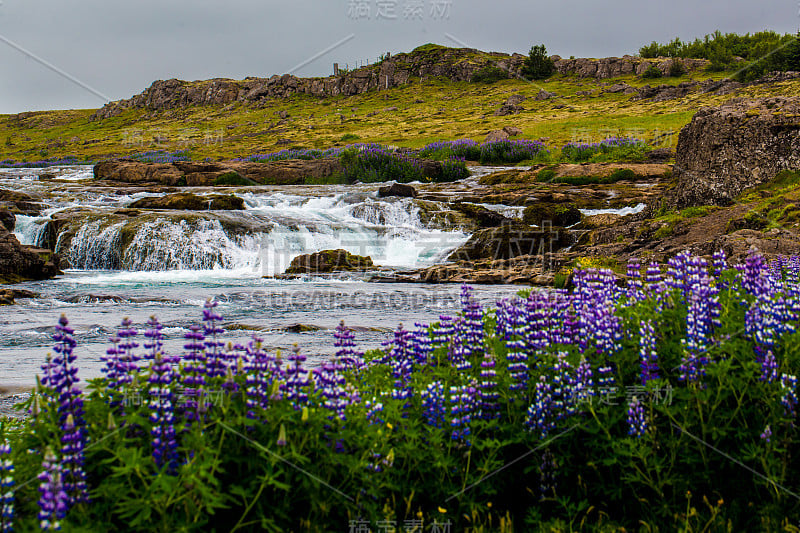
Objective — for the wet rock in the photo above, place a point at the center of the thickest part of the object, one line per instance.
(329, 261)
(486, 218)
(18, 262)
(555, 214)
(397, 189)
(727, 149)
(7, 219)
(512, 240)
(190, 202)
(20, 202)
(301, 328)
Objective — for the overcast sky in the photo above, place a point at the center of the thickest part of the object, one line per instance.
(115, 49)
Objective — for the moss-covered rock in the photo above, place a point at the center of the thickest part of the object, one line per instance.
(512, 240)
(556, 214)
(190, 202)
(329, 261)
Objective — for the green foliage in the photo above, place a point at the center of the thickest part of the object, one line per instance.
(234, 179)
(652, 72)
(347, 137)
(676, 69)
(538, 65)
(489, 74)
(546, 175)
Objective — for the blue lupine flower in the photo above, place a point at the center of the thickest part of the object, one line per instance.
(297, 379)
(637, 419)
(488, 395)
(583, 385)
(64, 380)
(547, 475)
(331, 385)
(162, 405)
(215, 359)
(193, 374)
(540, 415)
(634, 284)
(400, 359)
(462, 405)
(648, 357)
(261, 371)
(348, 356)
(6, 489)
(53, 500)
(789, 398)
(517, 355)
(121, 359)
(433, 403)
(767, 433)
(421, 345)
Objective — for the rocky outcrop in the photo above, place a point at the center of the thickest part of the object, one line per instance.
(556, 214)
(293, 172)
(329, 261)
(486, 218)
(7, 220)
(400, 190)
(19, 202)
(190, 202)
(661, 93)
(512, 240)
(19, 263)
(727, 149)
(8, 296)
(613, 67)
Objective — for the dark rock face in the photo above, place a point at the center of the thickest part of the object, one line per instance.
(612, 67)
(398, 189)
(18, 262)
(512, 240)
(293, 172)
(728, 149)
(20, 202)
(556, 214)
(329, 261)
(191, 202)
(486, 218)
(7, 219)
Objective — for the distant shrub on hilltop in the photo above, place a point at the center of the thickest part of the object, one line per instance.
(764, 52)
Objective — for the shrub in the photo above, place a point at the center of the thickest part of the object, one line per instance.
(349, 137)
(676, 69)
(538, 66)
(511, 151)
(464, 148)
(652, 72)
(489, 74)
(546, 175)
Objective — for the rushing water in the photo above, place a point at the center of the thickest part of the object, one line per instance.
(171, 263)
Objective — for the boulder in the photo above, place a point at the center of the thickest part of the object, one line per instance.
(512, 240)
(512, 131)
(8, 296)
(617, 88)
(506, 110)
(397, 189)
(190, 202)
(556, 214)
(496, 135)
(7, 219)
(18, 262)
(20, 202)
(545, 95)
(741, 144)
(329, 261)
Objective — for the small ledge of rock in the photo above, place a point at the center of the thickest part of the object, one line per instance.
(190, 202)
(329, 261)
(7, 296)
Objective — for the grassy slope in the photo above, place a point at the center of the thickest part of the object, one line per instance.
(428, 111)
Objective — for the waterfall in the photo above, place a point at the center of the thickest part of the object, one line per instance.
(95, 247)
(31, 230)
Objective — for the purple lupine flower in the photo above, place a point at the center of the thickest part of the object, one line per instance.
(720, 263)
(6, 489)
(634, 285)
(488, 395)
(595, 302)
(421, 345)
(789, 398)
(155, 339)
(399, 357)
(216, 360)
(162, 405)
(648, 356)
(583, 385)
(517, 354)
(53, 500)
(547, 475)
(753, 277)
(702, 318)
(121, 359)
(193, 374)
(444, 332)
(349, 357)
(373, 408)
(767, 433)
(64, 380)
(331, 384)
(563, 386)
(261, 371)
(471, 325)
(433, 403)
(297, 381)
(606, 381)
(462, 405)
(656, 286)
(769, 368)
(637, 419)
(540, 415)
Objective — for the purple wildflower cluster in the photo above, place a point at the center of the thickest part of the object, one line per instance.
(581, 152)
(51, 162)
(6, 488)
(161, 156)
(53, 499)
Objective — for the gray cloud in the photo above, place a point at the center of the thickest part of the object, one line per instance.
(119, 48)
